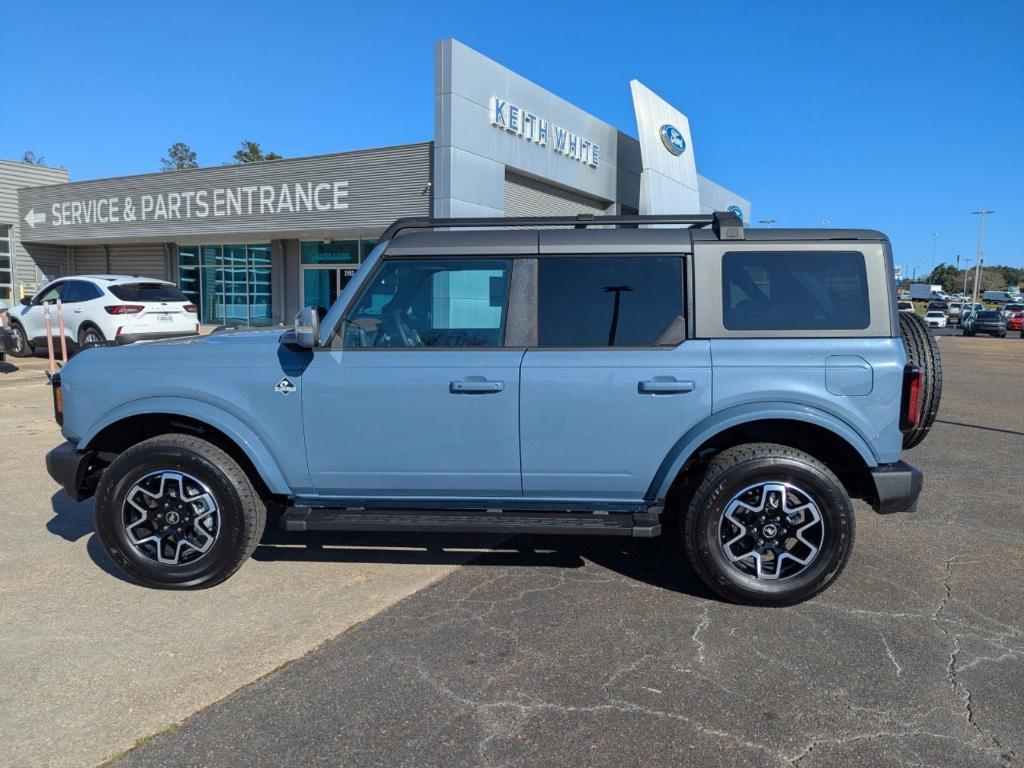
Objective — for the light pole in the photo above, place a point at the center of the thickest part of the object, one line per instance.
(935, 237)
(767, 222)
(981, 252)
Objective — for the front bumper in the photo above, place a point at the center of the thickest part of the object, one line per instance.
(897, 487)
(131, 338)
(75, 470)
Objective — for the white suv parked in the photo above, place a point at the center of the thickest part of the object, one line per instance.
(100, 308)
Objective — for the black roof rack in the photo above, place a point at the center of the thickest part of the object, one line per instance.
(726, 224)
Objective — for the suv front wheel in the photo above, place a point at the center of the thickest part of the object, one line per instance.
(177, 512)
(768, 525)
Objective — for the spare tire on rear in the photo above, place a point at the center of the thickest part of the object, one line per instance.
(922, 351)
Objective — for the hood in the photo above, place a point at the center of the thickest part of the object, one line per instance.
(227, 349)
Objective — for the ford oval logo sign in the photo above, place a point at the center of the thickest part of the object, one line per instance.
(673, 139)
(736, 211)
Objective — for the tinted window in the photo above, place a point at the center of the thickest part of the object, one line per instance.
(990, 315)
(431, 303)
(610, 301)
(147, 292)
(794, 290)
(79, 290)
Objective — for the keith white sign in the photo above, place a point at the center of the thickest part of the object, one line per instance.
(522, 122)
(216, 202)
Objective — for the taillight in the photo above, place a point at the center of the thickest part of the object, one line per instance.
(124, 309)
(58, 400)
(190, 308)
(913, 393)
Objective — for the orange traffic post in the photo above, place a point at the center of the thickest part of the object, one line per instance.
(63, 338)
(49, 339)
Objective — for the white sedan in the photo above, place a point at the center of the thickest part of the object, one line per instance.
(935, 319)
(100, 308)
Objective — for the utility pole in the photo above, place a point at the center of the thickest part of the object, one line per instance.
(981, 249)
(935, 237)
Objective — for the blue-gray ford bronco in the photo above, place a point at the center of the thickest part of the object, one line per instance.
(608, 375)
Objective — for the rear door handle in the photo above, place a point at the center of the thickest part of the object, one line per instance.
(475, 385)
(665, 385)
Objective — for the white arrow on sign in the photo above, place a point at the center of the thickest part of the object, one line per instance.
(32, 218)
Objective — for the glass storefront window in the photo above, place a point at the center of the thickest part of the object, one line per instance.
(188, 273)
(260, 296)
(333, 252)
(230, 284)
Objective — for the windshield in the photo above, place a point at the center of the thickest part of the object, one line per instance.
(333, 316)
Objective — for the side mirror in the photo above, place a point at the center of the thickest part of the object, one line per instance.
(26, 301)
(307, 328)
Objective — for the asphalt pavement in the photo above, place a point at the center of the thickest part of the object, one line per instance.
(557, 652)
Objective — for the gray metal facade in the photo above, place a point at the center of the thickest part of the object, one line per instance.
(529, 197)
(14, 176)
(305, 197)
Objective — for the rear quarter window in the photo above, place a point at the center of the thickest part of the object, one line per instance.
(147, 292)
(794, 291)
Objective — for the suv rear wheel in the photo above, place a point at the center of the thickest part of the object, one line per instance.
(768, 525)
(177, 512)
(88, 336)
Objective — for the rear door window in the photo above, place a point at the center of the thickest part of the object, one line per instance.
(79, 290)
(147, 292)
(610, 301)
(794, 291)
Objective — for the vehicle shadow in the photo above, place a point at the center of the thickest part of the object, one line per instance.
(656, 562)
(71, 521)
(6, 367)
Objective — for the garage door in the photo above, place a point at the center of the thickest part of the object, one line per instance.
(528, 197)
(145, 260)
(89, 260)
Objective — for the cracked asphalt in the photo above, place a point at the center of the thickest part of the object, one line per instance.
(557, 652)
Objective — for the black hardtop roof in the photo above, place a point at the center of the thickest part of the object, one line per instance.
(589, 234)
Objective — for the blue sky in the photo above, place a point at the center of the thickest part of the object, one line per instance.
(901, 116)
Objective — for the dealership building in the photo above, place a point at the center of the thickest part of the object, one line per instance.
(250, 244)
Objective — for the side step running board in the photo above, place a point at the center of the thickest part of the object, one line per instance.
(637, 524)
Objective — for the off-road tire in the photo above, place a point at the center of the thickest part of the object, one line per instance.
(84, 331)
(242, 511)
(922, 351)
(24, 349)
(737, 468)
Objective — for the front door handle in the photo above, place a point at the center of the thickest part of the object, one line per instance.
(665, 385)
(475, 385)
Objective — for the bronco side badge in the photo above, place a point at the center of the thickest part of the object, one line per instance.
(285, 387)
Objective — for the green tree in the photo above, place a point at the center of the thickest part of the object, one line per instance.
(179, 157)
(32, 158)
(946, 275)
(252, 153)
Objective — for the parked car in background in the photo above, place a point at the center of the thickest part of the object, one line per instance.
(905, 306)
(935, 318)
(941, 306)
(1015, 322)
(1010, 307)
(988, 321)
(101, 308)
(954, 312)
(997, 297)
